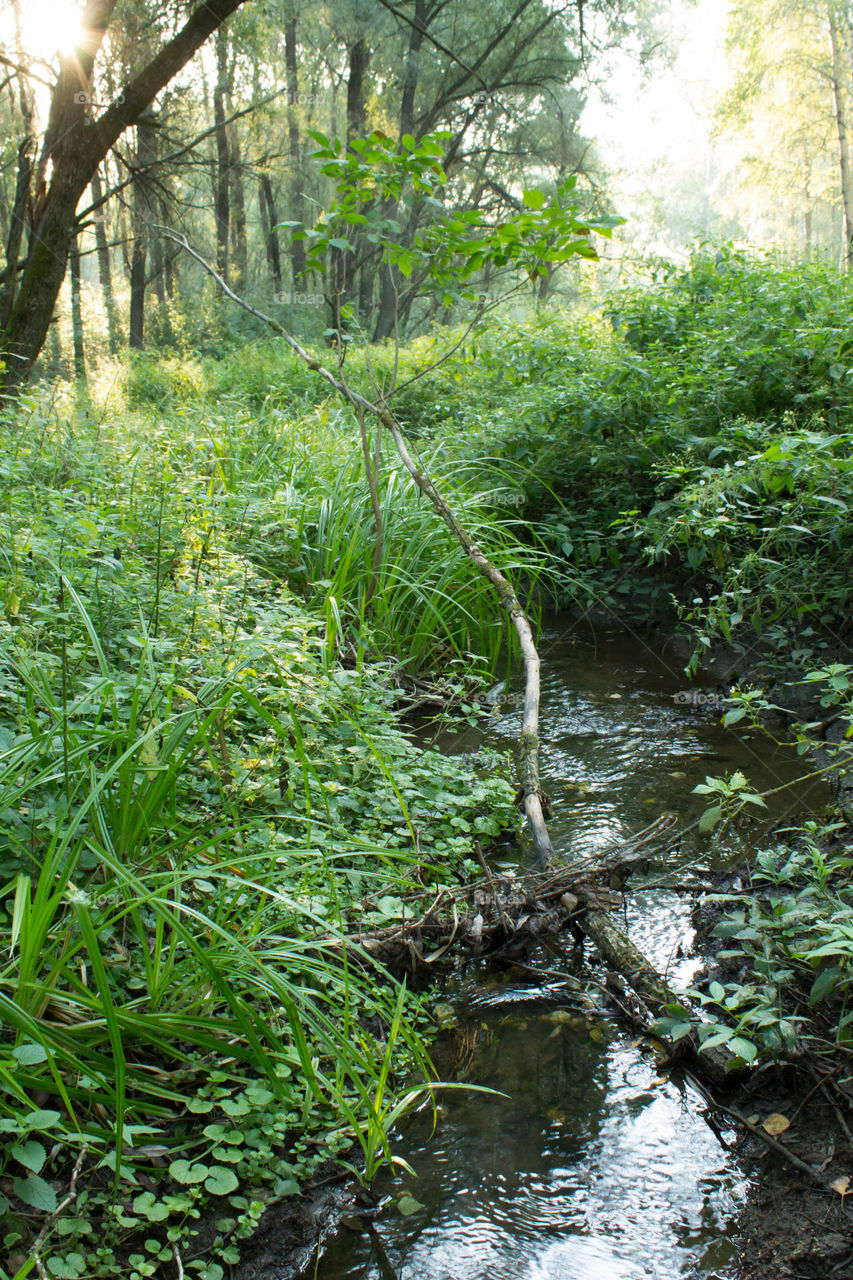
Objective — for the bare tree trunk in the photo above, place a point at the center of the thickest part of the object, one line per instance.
(841, 124)
(388, 287)
(77, 314)
(239, 243)
(26, 164)
(358, 55)
(221, 203)
(104, 270)
(269, 220)
(297, 248)
(146, 152)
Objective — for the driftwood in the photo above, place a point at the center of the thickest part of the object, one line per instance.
(499, 913)
(505, 909)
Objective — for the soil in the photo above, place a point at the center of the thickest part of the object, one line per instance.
(284, 1246)
(791, 1228)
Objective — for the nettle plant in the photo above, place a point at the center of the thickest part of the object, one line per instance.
(390, 197)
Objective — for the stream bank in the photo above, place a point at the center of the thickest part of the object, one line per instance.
(593, 1165)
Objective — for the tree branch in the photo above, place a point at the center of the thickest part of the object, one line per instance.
(528, 754)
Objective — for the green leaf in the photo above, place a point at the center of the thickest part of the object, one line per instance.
(35, 1192)
(40, 1119)
(710, 818)
(533, 199)
(29, 1054)
(31, 1155)
(408, 1205)
(70, 1267)
(743, 1048)
(146, 1205)
(221, 1181)
(183, 1171)
(824, 983)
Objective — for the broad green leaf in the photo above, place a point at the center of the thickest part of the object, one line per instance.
(534, 199)
(743, 1048)
(710, 818)
(221, 1181)
(30, 1154)
(35, 1192)
(183, 1171)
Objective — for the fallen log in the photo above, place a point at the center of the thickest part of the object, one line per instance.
(654, 994)
(580, 897)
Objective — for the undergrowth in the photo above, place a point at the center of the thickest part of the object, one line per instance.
(206, 789)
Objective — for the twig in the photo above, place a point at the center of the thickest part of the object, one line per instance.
(178, 1263)
(757, 1132)
(60, 1208)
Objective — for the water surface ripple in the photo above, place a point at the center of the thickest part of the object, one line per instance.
(592, 1168)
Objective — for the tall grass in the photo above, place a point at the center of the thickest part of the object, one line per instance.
(204, 789)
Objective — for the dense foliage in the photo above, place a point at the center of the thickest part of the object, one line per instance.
(692, 446)
(205, 787)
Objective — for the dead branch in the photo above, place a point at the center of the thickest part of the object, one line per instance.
(528, 753)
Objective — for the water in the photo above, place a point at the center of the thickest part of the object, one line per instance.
(592, 1167)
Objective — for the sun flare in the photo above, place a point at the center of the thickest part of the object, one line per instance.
(49, 27)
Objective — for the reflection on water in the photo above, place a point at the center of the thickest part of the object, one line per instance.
(592, 1168)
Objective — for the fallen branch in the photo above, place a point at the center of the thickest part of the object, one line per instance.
(621, 953)
(504, 908)
(528, 753)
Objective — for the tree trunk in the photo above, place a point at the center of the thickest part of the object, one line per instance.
(841, 124)
(146, 152)
(389, 283)
(73, 146)
(239, 243)
(297, 248)
(221, 203)
(77, 315)
(104, 270)
(358, 59)
(269, 220)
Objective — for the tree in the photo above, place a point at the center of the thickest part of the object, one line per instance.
(792, 85)
(75, 141)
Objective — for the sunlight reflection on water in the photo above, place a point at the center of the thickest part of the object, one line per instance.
(592, 1168)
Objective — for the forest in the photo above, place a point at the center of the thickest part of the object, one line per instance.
(426, 684)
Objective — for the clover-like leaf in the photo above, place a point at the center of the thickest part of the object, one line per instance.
(221, 1181)
(183, 1171)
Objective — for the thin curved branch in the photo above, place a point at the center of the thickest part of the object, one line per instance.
(528, 752)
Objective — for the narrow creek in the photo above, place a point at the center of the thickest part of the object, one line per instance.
(592, 1167)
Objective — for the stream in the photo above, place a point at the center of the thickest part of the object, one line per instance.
(591, 1167)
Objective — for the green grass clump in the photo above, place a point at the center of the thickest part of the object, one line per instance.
(205, 788)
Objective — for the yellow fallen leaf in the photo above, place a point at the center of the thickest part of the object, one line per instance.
(840, 1185)
(775, 1124)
